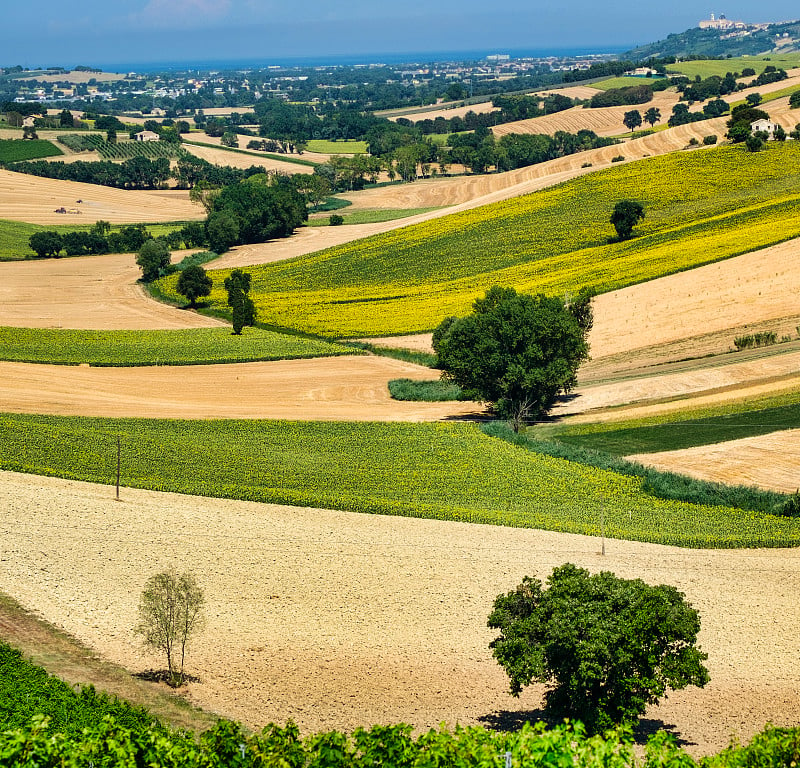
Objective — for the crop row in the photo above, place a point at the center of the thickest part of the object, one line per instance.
(443, 471)
(164, 347)
(700, 207)
(14, 150)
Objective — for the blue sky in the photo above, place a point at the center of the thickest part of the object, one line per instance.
(91, 32)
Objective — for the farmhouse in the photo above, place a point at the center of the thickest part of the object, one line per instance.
(147, 136)
(766, 126)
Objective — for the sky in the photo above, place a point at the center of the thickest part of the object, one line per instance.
(97, 32)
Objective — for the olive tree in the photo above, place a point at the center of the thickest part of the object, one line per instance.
(605, 646)
(516, 352)
(170, 612)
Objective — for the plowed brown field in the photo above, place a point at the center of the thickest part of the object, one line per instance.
(339, 620)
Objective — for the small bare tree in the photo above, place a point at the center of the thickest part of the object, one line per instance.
(170, 611)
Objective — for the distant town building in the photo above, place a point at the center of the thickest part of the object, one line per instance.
(498, 57)
(721, 23)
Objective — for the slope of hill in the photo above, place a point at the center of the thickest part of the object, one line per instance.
(717, 43)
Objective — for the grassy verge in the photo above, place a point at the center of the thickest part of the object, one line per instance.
(677, 432)
(435, 391)
(372, 217)
(700, 207)
(194, 346)
(443, 471)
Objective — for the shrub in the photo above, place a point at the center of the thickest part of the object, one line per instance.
(709, 140)
(617, 159)
(335, 220)
(425, 391)
(761, 339)
(693, 142)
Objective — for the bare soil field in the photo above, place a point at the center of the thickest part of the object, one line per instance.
(320, 389)
(92, 292)
(768, 461)
(34, 199)
(319, 616)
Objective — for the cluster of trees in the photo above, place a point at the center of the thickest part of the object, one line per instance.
(620, 97)
(701, 89)
(633, 119)
(134, 173)
(682, 116)
(99, 239)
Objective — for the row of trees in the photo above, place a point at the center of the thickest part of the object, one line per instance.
(99, 239)
(134, 173)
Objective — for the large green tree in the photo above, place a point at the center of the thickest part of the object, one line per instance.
(153, 258)
(194, 282)
(243, 309)
(627, 214)
(607, 647)
(515, 351)
(632, 119)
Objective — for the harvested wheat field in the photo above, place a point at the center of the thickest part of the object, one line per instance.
(442, 111)
(768, 461)
(336, 619)
(216, 141)
(91, 292)
(34, 199)
(223, 157)
(320, 389)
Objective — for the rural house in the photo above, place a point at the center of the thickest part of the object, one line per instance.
(763, 125)
(147, 136)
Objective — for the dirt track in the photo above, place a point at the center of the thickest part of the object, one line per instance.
(34, 199)
(322, 617)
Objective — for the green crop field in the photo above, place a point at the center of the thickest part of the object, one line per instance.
(370, 217)
(174, 347)
(720, 67)
(14, 150)
(14, 235)
(677, 431)
(337, 147)
(623, 82)
(443, 471)
(700, 207)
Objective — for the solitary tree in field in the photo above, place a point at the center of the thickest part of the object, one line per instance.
(243, 309)
(170, 612)
(627, 214)
(606, 647)
(194, 282)
(652, 116)
(515, 351)
(632, 120)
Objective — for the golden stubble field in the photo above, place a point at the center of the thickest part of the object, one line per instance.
(336, 619)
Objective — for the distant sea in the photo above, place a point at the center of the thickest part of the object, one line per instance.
(418, 57)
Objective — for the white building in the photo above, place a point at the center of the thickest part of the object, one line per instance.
(147, 136)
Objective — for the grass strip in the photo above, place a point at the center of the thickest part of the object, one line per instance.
(372, 216)
(194, 346)
(435, 391)
(445, 471)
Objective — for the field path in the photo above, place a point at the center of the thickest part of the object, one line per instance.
(34, 199)
(320, 389)
(336, 619)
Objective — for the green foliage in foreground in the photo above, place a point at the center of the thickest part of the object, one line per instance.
(443, 471)
(606, 647)
(27, 690)
(14, 150)
(194, 346)
(435, 391)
